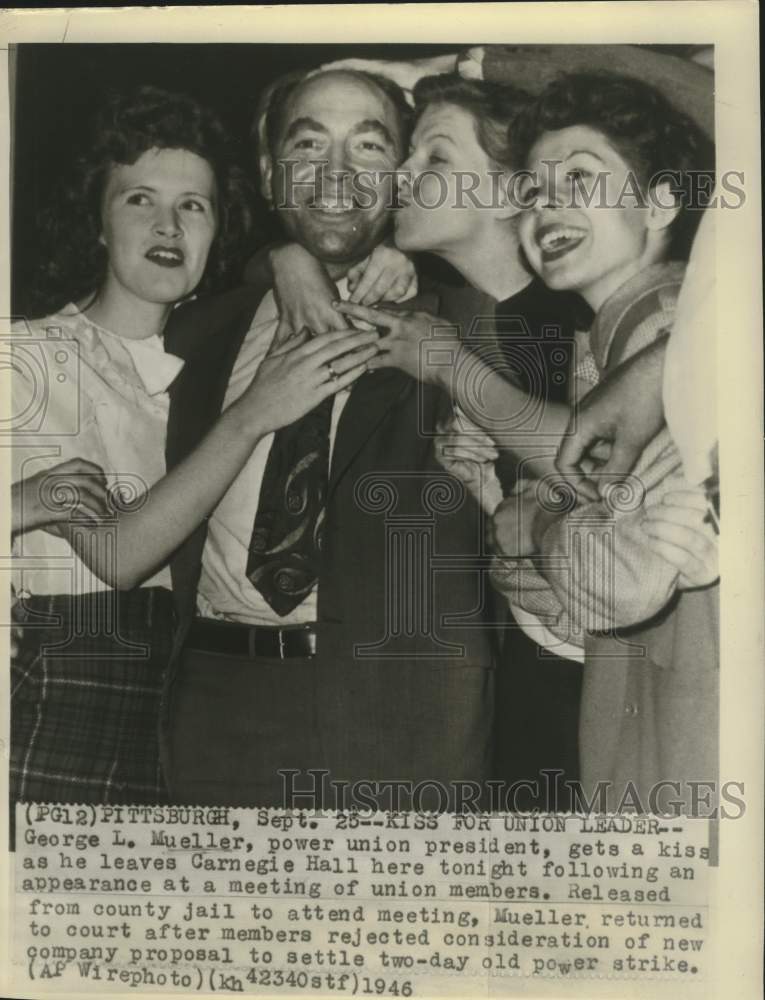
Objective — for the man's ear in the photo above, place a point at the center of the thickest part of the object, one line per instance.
(266, 165)
(663, 207)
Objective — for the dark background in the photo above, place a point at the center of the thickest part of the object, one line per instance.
(59, 86)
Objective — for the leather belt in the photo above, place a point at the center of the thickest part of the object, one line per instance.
(252, 641)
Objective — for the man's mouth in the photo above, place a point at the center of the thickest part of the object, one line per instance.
(334, 206)
(165, 256)
(556, 240)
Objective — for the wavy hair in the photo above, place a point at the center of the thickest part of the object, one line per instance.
(655, 139)
(493, 106)
(126, 126)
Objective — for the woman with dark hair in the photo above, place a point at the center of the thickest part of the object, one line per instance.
(463, 197)
(613, 204)
(155, 207)
(74, 256)
(460, 201)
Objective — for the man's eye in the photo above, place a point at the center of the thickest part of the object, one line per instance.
(306, 144)
(369, 145)
(138, 198)
(579, 174)
(434, 159)
(530, 195)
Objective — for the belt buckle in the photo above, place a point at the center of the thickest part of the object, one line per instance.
(311, 641)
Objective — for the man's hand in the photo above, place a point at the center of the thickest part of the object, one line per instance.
(625, 412)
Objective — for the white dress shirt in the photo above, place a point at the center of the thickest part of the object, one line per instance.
(224, 589)
(80, 391)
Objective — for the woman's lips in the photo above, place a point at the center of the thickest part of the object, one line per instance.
(555, 240)
(165, 256)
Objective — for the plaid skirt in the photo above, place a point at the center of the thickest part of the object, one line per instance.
(86, 681)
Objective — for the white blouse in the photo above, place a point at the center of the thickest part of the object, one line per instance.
(80, 391)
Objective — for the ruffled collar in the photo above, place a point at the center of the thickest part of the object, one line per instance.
(155, 367)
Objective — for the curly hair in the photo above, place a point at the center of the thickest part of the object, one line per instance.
(656, 140)
(126, 126)
(494, 107)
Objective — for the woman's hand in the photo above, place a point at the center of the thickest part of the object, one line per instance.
(469, 454)
(304, 293)
(404, 333)
(76, 488)
(678, 531)
(625, 410)
(295, 377)
(386, 274)
(512, 526)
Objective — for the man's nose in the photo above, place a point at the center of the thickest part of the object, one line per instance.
(337, 168)
(167, 223)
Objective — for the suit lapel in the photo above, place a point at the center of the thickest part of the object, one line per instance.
(371, 398)
(209, 340)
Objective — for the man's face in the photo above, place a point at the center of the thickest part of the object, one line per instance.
(338, 132)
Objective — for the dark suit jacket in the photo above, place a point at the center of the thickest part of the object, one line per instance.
(404, 657)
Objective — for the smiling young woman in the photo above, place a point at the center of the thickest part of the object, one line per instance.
(155, 209)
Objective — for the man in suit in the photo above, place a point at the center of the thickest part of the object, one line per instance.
(330, 607)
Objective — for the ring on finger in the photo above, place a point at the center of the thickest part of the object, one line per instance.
(333, 376)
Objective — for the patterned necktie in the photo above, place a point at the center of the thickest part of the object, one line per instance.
(283, 562)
